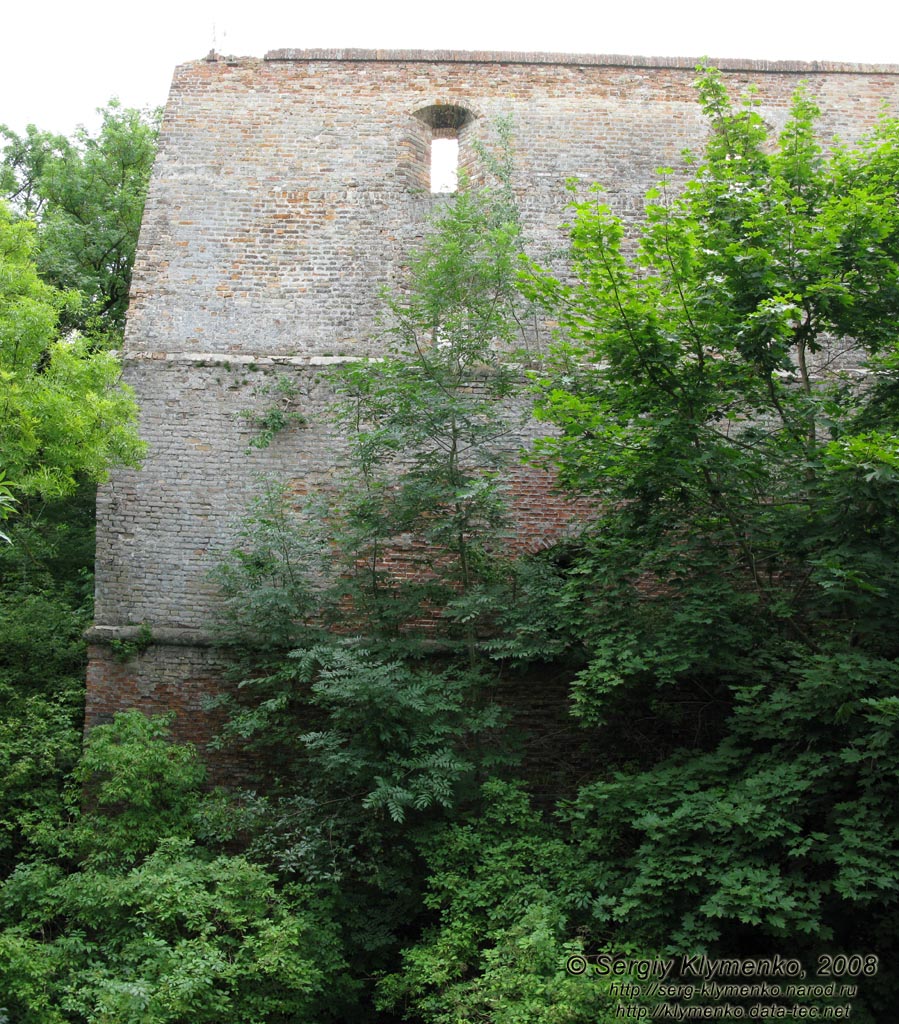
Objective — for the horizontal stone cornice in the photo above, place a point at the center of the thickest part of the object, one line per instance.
(170, 636)
(238, 359)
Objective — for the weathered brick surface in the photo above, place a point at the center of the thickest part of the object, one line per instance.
(168, 677)
(287, 192)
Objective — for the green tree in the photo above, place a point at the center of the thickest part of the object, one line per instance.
(65, 418)
(724, 393)
(703, 399)
(502, 933)
(434, 425)
(411, 550)
(63, 411)
(87, 196)
(377, 729)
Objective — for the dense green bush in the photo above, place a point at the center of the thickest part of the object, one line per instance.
(127, 919)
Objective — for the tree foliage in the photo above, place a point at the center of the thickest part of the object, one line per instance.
(433, 425)
(408, 554)
(128, 918)
(722, 394)
(380, 723)
(501, 936)
(723, 391)
(86, 195)
(63, 410)
(714, 386)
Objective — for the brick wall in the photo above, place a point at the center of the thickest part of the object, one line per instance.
(288, 191)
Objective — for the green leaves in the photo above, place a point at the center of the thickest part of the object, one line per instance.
(724, 392)
(64, 278)
(497, 947)
(63, 411)
(146, 926)
(275, 581)
(361, 628)
(87, 196)
(766, 829)
(695, 395)
(432, 426)
(141, 783)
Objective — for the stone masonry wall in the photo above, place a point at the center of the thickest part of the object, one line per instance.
(288, 191)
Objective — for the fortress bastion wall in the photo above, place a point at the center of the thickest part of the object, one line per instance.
(288, 191)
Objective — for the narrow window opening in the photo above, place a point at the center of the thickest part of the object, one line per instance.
(445, 126)
(444, 165)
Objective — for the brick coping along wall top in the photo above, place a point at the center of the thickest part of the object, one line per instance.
(287, 193)
(576, 59)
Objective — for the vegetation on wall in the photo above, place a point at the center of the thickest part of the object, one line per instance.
(723, 395)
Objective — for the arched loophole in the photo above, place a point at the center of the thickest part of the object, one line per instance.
(445, 122)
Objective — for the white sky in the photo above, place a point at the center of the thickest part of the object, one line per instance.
(63, 59)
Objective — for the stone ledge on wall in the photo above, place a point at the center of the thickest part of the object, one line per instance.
(170, 636)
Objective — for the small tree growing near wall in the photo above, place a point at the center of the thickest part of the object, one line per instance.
(433, 425)
(374, 728)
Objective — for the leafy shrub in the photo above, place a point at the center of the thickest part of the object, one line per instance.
(141, 925)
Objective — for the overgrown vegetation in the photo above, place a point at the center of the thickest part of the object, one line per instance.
(741, 585)
(86, 197)
(69, 216)
(64, 414)
(725, 619)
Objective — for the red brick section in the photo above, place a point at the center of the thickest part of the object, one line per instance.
(163, 679)
(543, 515)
